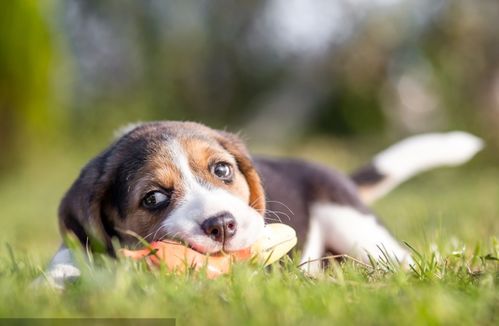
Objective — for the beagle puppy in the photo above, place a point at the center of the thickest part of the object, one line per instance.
(185, 181)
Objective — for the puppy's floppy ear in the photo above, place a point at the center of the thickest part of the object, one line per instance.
(81, 211)
(234, 145)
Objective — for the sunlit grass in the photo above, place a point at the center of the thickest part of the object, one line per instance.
(443, 288)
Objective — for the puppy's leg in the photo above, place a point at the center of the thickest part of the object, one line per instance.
(62, 269)
(313, 249)
(349, 231)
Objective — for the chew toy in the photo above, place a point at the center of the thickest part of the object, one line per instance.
(278, 239)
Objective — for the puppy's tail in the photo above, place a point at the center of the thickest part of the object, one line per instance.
(411, 156)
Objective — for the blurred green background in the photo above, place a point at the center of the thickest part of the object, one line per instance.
(333, 81)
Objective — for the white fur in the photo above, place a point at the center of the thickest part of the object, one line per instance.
(349, 231)
(202, 202)
(313, 248)
(418, 154)
(62, 269)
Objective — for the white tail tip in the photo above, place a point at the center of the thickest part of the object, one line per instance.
(423, 152)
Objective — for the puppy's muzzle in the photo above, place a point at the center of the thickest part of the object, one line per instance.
(221, 227)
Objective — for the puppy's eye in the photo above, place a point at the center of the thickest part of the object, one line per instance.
(223, 171)
(155, 199)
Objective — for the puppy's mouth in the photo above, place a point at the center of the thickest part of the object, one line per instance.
(209, 248)
(202, 249)
(195, 245)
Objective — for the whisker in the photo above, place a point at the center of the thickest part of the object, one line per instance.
(148, 235)
(281, 203)
(282, 213)
(161, 226)
(170, 236)
(269, 219)
(256, 200)
(275, 211)
(277, 217)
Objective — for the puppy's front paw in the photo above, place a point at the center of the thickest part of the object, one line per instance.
(58, 276)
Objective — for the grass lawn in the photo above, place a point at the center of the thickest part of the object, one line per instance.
(449, 216)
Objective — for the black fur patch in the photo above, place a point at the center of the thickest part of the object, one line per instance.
(368, 175)
(135, 158)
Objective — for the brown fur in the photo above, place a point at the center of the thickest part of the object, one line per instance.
(235, 146)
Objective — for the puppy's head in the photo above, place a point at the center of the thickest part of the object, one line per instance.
(168, 180)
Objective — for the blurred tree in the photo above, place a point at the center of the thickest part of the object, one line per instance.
(160, 59)
(26, 63)
(463, 47)
(278, 67)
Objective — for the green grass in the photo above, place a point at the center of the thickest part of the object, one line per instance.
(450, 218)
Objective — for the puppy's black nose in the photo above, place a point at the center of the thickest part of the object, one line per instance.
(220, 227)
